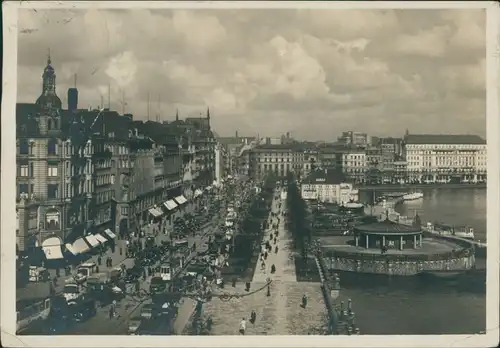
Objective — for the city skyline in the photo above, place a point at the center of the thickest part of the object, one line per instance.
(294, 72)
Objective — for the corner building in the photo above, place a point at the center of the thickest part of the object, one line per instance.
(445, 158)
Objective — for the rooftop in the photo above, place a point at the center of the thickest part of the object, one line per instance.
(388, 227)
(450, 139)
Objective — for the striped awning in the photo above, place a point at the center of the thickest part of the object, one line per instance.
(170, 204)
(52, 248)
(72, 250)
(100, 238)
(198, 193)
(180, 199)
(110, 233)
(92, 241)
(80, 247)
(155, 212)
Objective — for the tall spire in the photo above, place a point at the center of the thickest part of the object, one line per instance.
(208, 113)
(177, 115)
(48, 97)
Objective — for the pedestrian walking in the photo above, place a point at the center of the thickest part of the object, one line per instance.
(99, 260)
(253, 317)
(243, 326)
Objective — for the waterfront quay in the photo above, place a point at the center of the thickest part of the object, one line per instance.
(409, 187)
(278, 310)
(387, 247)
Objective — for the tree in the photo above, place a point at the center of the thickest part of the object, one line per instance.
(297, 215)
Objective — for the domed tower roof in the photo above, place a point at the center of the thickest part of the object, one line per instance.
(49, 99)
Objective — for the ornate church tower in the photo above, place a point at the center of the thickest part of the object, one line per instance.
(49, 105)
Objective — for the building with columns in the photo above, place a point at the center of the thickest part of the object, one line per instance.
(279, 159)
(388, 234)
(445, 158)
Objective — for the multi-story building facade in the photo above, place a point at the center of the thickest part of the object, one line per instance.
(221, 163)
(44, 171)
(354, 165)
(400, 171)
(234, 147)
(83, 171)
(311, 161)
(281, 160)
(354, 138)
(327, 186)
(445, 158)
(330, 157)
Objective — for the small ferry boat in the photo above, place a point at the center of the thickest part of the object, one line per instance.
(444, 274)
(413, 196)
(462, 231)
(395, 194)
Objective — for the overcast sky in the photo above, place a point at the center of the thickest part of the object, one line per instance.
(314, 73)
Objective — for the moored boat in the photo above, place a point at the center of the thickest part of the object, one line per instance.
(413, 196)
(443, 273)
(461, 231)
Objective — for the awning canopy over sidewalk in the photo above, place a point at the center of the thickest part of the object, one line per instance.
(52, 247)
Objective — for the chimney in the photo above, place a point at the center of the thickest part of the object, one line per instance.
(72, 100)
(236, 134)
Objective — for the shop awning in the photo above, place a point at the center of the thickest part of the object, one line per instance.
(198, 192)
(100, 238)
(170, 204)
(80, 247)
(155, 212)
(92, 241)
(180, 199)
(52, 248)
(110, 233)
(70, 248)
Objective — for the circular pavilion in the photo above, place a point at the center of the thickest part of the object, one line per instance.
(389, 234)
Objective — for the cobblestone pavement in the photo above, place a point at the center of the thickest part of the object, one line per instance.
(277, 314)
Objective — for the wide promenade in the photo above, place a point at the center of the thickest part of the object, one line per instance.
(277, 314)
(399, 187)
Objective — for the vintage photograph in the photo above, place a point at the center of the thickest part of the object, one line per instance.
(208, 171)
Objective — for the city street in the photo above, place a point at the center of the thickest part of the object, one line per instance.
(131, 307)
(277, 314)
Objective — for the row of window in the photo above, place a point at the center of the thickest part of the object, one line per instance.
(105, 196)
(354, 164)
(28, 148)
(28, 170)
(105, 179)
(445, 146)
